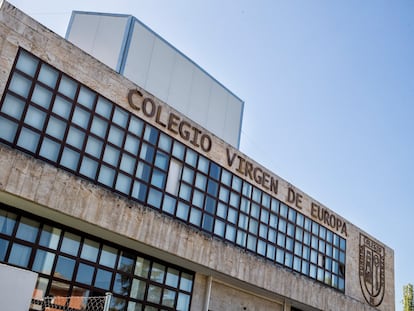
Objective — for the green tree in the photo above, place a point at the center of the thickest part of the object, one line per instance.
(408, 300)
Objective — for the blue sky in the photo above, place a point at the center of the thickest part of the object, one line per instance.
(328, 89)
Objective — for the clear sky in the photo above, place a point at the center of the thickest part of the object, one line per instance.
(328, 89)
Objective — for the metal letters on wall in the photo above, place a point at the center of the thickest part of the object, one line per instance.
(371, 270)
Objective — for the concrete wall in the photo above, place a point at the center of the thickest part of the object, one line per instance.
(42, 189)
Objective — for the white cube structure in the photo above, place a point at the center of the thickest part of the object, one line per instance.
(132, 49)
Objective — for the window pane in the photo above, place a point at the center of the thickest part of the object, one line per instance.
(106, 176)
(111, 155)
(104, 107)
(28, 140)
(90, 250)
(116, 136)
(173, 178)
(48, 75)
(70, 159)
(94, 147)
(7, 221)
(123, 183)
(88, 167)
(20, 85)
(120, 117)
(64, 268)
(183, 302)
(13, 106)
(168, 298)
(75, 137)
(168, 205)
(182, 211)
(161, 160)
(122, 284)
(27, 229)
(27, 63)
(195, 217)
(35, 118)
(99, 127)
(103, 279)
(127, 164)
(49, 149)
(42, 96)
(62, 107)
(154, 198)
(135, 126)
(86, 97)
(43, 262)
(154, 294)
(138, 289)
(67, 87)
(70, 244)
(165, 142)
(158, 179)
(142, 267)
(56, 128)
(7, 129)
(81, 117)
(85, 274)
(3, 248)
(178, 150)
(20, 255)
(131, 144)
(108, 256)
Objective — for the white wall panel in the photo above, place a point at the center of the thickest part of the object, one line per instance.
(99, 35)
(180, 86)
(160, 70)
(16, 288)
(216, 115)
(199, 97)
(139, 55)
(232, 125)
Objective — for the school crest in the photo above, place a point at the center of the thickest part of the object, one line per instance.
(371, 270)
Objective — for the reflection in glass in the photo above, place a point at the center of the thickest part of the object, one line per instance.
(20, 255)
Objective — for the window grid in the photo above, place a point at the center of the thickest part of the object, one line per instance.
(87, 266)
(86, 134)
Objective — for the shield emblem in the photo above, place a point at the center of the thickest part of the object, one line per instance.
(371, 270)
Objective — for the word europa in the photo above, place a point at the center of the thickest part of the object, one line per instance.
(173, 122)
(329, 219)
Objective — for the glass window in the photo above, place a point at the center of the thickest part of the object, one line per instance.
(64, 268)
(135, 126)
(226, 177)
(49, 149)
(4, 244)
(28, 140)
(174, 174)
(106, 176)
(151, 134)
(111, 155)
(116, 135)
(68, 87)
(56, 128)
(13, 106)
(70, 243)
(168, 205)
(201, 181)
(7, 221)
(88, 167)
(70, 159)
(158, 178)
(20, 255)
(27, 63)
(182, 211)
(50, 237)
(138, 289)
(142, 267)
(195, 217)
(120, 117)
(131, 144)
(104, 107)
(183, 302)
(81, 117)
(7, 129)
(203, 164)
(154, 198)
(62, 107)
(108, 256)
(215, 171)
(191, 158)
(139, 191)
(143, 171)
(103, 279)
(126, 262)
(20, 85)
(99, 127)
(122, 284)
(86, 97)
(178, 150)
(154, 294)
(161, 160)
(85, 274)
(41, 96)
(75, 137)
(90, 250)
(147, 153)
(27, 229)
(237, 183)
(48, 75)
(123, 183)
(35, 118)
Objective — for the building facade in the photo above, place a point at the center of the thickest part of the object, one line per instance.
(106, 188)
